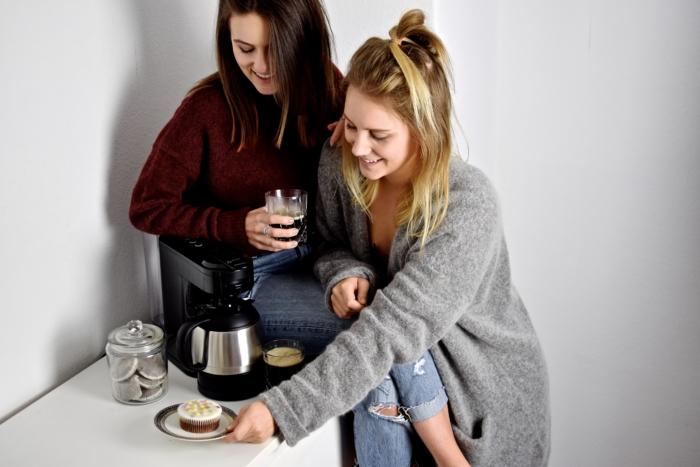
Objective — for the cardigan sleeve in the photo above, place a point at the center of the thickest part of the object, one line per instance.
(423, 302)
(163, 201)
(335, 258)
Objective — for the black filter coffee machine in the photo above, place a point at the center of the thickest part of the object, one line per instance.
(212, 334)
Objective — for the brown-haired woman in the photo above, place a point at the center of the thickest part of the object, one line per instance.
(255, 125)
(419, 232)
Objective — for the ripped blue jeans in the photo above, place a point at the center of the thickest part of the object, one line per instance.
(381, 440)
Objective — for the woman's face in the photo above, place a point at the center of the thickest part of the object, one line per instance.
(380, 140)
(250, 38)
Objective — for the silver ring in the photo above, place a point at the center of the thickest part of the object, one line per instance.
(265, 231)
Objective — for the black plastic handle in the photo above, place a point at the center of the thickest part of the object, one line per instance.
(183, 344)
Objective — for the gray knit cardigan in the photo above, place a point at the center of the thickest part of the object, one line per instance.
(454, 298)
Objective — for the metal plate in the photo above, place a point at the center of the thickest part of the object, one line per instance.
(168, 422)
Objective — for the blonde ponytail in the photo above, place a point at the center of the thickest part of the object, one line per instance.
(414, 81)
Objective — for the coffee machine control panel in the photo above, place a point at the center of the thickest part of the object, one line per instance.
(211, 255)
(213, 267)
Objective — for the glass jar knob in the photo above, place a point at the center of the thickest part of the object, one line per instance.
(134, 326)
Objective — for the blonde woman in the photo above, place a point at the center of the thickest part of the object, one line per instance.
(413, 244)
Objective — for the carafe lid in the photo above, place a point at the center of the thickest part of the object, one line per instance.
(229, 314)
(136, 337)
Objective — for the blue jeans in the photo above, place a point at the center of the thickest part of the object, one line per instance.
(292, 304)
(381, 440)
(279, 262)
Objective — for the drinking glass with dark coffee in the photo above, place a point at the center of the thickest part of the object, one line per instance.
(290, 203)
(283, 358)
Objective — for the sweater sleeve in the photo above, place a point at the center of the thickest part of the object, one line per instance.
(335, 259)
(422, 303)
(162, 201)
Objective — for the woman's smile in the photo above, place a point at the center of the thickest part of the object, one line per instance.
(262, 76)
(370, 162)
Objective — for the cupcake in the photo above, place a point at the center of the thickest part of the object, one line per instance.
(199, 416)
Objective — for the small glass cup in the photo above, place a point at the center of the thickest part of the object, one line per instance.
(283, 358)
(290, 203)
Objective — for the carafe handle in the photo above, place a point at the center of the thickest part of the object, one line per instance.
(183, 344)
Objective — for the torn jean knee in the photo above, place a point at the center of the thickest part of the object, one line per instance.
(419, 388)
(384, 396)
(416, 390)
(416, 413)
(377, 409)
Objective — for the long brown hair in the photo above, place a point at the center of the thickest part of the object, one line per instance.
(411, 74)
(300, 59)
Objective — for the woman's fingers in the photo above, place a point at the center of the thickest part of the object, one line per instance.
(264, 237)
(233, 435)
(254, 424)
(339, 308)
(345, 295)
(350, 293)
(235, 422)
(275, 232)
(276, 219)
(280, 226)
(362, 290)
(337, 129)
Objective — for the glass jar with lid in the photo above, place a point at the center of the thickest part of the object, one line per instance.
(137, 362)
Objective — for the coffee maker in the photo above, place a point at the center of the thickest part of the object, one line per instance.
(212, 333)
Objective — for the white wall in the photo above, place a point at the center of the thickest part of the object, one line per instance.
(355, 22)
(84, 89)
(469, 29)
(594, 145)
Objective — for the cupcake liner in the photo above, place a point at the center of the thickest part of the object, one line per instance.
(196, 426)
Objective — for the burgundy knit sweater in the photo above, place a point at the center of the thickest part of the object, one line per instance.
(196, 184)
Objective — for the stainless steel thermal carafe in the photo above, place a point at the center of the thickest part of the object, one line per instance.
(224, 347)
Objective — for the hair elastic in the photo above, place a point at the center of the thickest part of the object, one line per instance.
(397, 41)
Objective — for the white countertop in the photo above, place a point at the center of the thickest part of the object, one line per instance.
(80, 423)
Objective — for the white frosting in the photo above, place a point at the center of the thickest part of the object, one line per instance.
(199, 411)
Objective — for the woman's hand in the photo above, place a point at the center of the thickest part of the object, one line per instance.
(255, 223)
(337, 128)
(349, 296)
(254, 424)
